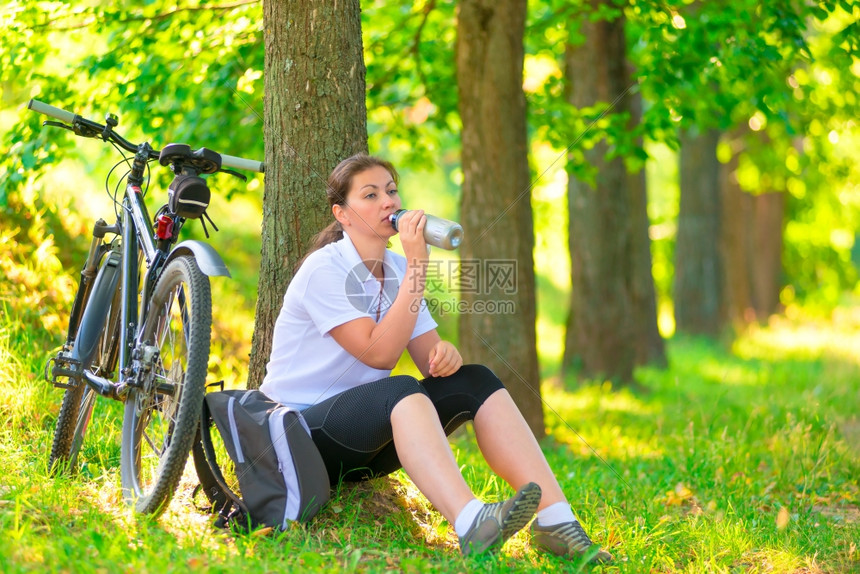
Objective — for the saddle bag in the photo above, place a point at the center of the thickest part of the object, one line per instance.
(188, 196)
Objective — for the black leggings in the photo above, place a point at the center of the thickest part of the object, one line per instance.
(352, 430)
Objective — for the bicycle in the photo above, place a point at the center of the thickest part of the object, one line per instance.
(140, 326)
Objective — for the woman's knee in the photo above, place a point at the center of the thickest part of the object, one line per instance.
(480, 374)
(458, 397)
(480, 382)
(400, 387)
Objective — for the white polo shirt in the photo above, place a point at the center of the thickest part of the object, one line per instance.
(332, 287)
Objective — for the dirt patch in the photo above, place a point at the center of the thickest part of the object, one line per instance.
(844, 513)
(850, 431)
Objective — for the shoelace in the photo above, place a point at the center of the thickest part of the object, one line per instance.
(572, 534)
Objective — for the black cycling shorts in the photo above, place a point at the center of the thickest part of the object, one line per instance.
(352, 430)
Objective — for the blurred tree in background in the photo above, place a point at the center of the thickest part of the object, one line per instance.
(612, 324)
(496, 194)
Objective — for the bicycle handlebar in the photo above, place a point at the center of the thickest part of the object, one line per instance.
(242, 163)
(48, 110)
(95, 128)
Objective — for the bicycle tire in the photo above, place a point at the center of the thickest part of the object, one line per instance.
(178, 322)
(77, 406)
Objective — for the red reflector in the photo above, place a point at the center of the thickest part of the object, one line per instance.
(164, 227)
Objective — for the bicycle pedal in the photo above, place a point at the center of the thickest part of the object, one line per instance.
(63, 367)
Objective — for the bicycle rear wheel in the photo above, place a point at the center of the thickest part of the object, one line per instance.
(100, 311)
(162, 409)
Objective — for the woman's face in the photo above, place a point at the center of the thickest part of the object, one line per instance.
(371, 199)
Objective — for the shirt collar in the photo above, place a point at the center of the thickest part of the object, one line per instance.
(346, 248)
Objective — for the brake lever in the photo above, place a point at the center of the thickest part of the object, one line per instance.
(79, 129)
(58, 125)
(234, 173)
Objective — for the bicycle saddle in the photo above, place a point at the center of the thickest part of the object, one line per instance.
(204, 160)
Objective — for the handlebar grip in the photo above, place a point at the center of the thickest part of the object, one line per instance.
(48, 110)
(242, 163)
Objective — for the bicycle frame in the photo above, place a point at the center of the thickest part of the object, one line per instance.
(138, 239)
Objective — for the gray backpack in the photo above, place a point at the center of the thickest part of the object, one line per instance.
(281, 475)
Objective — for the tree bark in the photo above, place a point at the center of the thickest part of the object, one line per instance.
(769, 213)
(613, 313)
(315, 116)
(737, 251)
(752, 238)
(496, 209)
(699, 272)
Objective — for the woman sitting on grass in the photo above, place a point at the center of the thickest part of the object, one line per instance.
(348, 314)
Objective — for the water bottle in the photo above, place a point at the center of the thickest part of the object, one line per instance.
(437, 231)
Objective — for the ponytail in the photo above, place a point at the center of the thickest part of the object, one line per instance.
(331, 233)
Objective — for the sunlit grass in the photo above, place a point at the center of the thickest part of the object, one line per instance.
(686, 478)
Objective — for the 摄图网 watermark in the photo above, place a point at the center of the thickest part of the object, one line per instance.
(470, 286)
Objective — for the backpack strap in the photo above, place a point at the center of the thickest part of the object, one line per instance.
(230, 507)
(208, 485)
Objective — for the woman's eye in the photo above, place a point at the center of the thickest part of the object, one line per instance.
(370, 196)
(392, 191)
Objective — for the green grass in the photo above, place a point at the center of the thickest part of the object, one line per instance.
(691, 476)
(732, 460)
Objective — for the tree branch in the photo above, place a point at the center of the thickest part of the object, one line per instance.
(416, 41)
(141, 17)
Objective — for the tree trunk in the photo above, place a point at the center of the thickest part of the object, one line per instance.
(315, 116)
(737, 251)
(769, 212)
(650, 348)
(752, 238)
(699, 279)
(613, 313)
(496, 209)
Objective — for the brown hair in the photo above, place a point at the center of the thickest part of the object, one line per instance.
(336, 190)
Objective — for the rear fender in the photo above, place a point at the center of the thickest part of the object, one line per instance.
(208, 260)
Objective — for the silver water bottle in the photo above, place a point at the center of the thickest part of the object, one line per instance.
(437, 231)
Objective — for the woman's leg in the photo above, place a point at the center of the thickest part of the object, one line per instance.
(510, 447)
(506, 441)
(379, 427)
(374, 428)
(426, 456)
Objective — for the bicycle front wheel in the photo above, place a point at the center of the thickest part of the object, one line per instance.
(162, 409)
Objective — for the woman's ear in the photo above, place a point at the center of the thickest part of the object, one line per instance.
(340, 214)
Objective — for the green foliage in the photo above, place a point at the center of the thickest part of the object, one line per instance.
(192, 72)
(189, 74)
(783, 76)
(411, 80)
